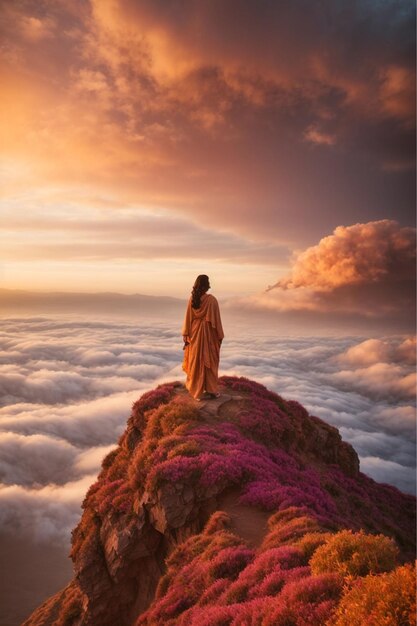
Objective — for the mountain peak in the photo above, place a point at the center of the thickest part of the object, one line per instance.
(239, 476)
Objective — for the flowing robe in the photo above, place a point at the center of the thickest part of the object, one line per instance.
(203, 329)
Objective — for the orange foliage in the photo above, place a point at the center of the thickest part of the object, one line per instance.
(287, 526)
(85, 534)
(162, 423)
(71, 607)
(355, 554)
(309, 543)
(379, 600)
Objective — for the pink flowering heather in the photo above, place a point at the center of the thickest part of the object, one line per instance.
(150, 400)
(252, 612)
(308, 601)
(273, 582)
(214, 591)
(250, 387)
(113, 496)
(249, 580)
(271, 475)
(175, 469)
(265, 421)
(207, 616)
(207, 572)
(364, 503)
(271, 479)
(296, 409)
(264, 454)
(229, 562)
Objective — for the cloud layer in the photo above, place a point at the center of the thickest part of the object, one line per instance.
(68, 385)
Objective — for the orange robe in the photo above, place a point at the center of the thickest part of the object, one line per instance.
(203, 329)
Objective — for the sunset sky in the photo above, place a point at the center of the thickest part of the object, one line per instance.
(261, 143)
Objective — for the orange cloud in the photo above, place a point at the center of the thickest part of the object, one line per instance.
(213, 111)
(364, 269)
(357, 254)
(397, 93)
(315, 135)
(35, 29)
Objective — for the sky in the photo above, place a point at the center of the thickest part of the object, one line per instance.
(146, 142)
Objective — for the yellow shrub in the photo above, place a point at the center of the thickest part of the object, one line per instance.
(167, 417)
(355, 554)
(310, 542)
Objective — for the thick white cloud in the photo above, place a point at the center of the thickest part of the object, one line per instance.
(382, 368)
(45, 514)
(395, 419)
(34, 459)
(50, 365)
(373, 351)
(38, 460)
(90, 460)
(74, 382)
(87, 423)
(382, 445)
(388, 472)
(382, 380)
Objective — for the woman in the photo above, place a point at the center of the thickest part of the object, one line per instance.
(202, 332)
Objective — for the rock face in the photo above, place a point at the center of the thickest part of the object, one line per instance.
(184, 471)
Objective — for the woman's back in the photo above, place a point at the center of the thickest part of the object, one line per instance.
(203, 334)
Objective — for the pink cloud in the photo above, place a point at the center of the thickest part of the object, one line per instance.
(367, 269)
(357, 254)
(315, 135)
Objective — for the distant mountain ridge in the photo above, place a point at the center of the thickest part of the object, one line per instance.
(67, 301)
(239, 510)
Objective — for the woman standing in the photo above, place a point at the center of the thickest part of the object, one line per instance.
(202, 332)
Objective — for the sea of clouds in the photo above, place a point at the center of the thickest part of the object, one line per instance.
(67, 385)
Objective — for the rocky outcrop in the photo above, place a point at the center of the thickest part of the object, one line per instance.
(179, 462)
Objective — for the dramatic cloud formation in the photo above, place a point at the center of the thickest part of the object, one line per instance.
(73, 382)
(367, 269)
(252, 128)
(357, 254)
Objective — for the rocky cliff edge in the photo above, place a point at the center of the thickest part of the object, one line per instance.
(223, 512)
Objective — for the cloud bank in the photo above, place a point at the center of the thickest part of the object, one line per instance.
(363, 269)
(52, 442)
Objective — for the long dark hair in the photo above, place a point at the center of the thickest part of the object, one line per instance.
(201, 285)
